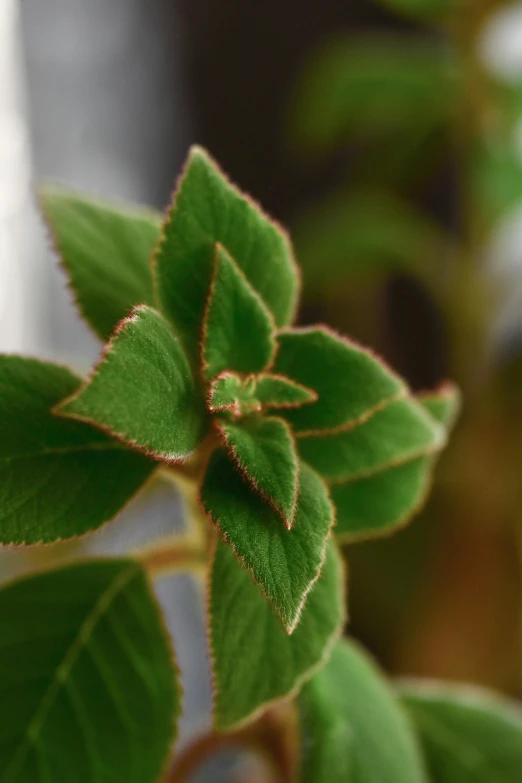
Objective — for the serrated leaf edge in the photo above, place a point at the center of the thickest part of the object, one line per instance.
(289, 627)
(302, 679)
(57, 410)
(140, 210)
(218, 247)
(403, 390)
(288, 521)
(198, 150)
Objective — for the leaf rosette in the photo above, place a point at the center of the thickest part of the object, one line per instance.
(291, 432)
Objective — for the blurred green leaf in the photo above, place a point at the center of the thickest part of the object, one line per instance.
(422, 9)
(372, 86)
(89, 689)
(497, 180)
(468, 734)
(353, 729)
(365, 230)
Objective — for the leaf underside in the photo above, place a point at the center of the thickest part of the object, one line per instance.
(143, 391)
(87, 686)
(105, 250)
(58, 478)
(284, 563)
(254, 661)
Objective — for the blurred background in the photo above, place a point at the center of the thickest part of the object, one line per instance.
(388, 136)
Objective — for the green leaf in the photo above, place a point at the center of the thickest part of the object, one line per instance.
(230, 392)
(352, 727)
(366, 231)
(105, 250)
(209, 209)
(265, 453)
(143, 390)
(237, 327)
(276, 391)
(399, 432)
(443, 404)
(373, 87)
(496, 179)
(468, 734)
(254, 662)
(348, 379)
(254, 393)
(284, 563)
(378, 504)
(425, 10)
(88, 689)
(58, 478)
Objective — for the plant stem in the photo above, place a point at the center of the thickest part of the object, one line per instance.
(174, 554)
(274, 738)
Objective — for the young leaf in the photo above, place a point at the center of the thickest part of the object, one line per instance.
(378, 504)
(349, 380)
(468, 735)
(251, 394)
(230, 392)
(209, 209)
(86, 677)
(284, 563)
(105, 250)
(237, 327)
(394, 434)
(254, 662)
(264, 450)
(276, 391)
(352, 727)
(143, 390)
(58, 478)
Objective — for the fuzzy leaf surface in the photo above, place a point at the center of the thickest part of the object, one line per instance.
(237, 328)
(349, 380)
(230, 392)
(209, 209)
(284, 563)
(353, 728)
(242, 621)
(143, 390)
(88, 689)
(106, 251)
(58, 478)
(276, 391)
(264, 450)
(468, 734)
(394, 434)
(256, 392)
(377, 504)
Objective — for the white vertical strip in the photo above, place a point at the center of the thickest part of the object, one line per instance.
(21, 299)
